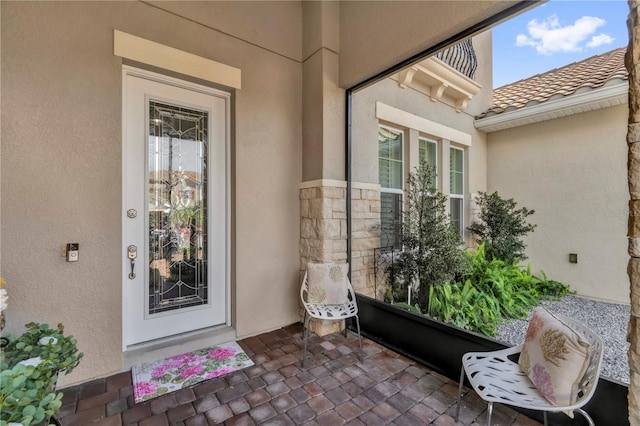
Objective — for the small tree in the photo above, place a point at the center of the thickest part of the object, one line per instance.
(501, 227)
(432, 252)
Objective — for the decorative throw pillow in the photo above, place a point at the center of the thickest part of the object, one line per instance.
(554, 357)
(327, 283)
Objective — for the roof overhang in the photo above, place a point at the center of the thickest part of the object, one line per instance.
(615, 93)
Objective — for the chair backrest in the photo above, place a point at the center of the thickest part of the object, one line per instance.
(304, 289)
(592, 374)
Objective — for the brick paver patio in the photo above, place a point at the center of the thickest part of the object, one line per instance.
(333, 388)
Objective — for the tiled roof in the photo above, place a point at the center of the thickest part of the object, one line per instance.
(590, 73)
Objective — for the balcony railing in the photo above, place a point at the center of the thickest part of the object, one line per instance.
(461, 57)
(447, 77)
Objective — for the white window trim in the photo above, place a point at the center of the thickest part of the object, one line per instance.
(392, 190)
(410, 157)
(402, 156)
(464, 187)
(462, 211)
(463, 170)
(429, 140)
(411, 121)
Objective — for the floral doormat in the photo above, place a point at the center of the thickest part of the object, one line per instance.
(152, 379)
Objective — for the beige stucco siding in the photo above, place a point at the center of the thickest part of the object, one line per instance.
(572, 172)
(61, 164)
(410, 27)
(61, 142)
(414, 102)
(275, 25)
(365, 125)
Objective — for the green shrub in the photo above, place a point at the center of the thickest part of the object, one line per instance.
(58, 352)
(473, 290)
(30, 366)
(501, 227)
(27, 395)
(465, 306)
(432, 251)
(492, 291)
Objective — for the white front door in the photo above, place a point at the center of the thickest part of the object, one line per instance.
(175, 207)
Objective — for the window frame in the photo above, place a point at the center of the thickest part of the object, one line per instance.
(396, 239)
(422, 138)
(457, 196)
(402, 160)
(445, 150)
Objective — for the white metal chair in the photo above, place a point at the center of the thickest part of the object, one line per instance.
(328, 312)
(496, 378)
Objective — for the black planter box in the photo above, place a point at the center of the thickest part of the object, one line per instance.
(440, 346)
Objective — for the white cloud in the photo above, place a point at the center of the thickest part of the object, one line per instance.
(549, 36)
(599, 40)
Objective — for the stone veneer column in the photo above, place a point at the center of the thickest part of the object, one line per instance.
(323, 215)
(323, 232)
(632, 62)
(365, 237)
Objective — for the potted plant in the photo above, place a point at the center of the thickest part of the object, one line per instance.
(30, 366)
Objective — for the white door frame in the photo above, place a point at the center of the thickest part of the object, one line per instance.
(142, 261)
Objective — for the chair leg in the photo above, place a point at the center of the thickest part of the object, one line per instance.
(306, 339)
(586, 416)
(360, 339)
(304, 322)
(489, 412)
(546, 422)
(460, 393)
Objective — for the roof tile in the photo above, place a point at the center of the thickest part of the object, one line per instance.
(591, 73)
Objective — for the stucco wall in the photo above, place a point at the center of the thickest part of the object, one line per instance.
(61, 161)
(572, 172)
(365, 128)
(323, 100)
(412, 101)
(274, 25)
(365, 124)
(410, 27)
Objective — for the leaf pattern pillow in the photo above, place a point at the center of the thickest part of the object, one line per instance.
(327, 283)
(554, 357)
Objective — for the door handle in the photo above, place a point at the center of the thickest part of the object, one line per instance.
(132, 253)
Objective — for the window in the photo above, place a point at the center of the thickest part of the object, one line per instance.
(456, 188)
(428, 154)
(390, 172)
(401, 152)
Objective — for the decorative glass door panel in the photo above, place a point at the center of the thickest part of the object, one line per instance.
(175, 187)
(177, 207)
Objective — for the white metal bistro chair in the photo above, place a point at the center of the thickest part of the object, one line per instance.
(496, 378)
(335, 312)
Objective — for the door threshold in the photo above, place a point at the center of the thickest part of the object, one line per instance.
(160, 349)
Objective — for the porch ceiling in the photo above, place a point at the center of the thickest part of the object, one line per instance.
(409, 28)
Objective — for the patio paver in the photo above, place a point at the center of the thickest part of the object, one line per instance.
(333, 388)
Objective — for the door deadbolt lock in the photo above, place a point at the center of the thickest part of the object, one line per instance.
(132, 253)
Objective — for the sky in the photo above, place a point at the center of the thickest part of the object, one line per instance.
(555, 34)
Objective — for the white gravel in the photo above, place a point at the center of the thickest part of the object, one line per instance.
(608, 320)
